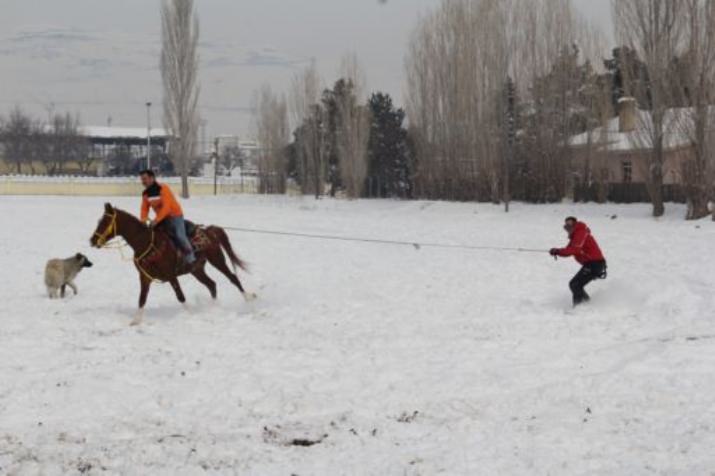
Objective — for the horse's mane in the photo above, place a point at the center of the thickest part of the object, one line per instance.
(141, 226)
(128, 215)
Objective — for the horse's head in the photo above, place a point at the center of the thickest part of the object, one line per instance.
(106, 228)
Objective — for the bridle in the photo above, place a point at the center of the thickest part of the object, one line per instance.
(111, 232)
(104, 237)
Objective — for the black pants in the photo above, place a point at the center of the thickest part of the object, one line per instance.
(589, 272)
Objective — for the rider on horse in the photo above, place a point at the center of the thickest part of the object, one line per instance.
(167, 212)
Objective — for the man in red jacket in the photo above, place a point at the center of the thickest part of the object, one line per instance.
(583, 247)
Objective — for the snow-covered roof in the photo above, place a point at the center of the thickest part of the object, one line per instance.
(111, 132)
(248, 144)
(678, 124)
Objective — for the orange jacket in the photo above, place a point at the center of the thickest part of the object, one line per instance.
(162, 200)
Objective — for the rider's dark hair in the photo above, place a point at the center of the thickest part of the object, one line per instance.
(573, 219)
(148, 172)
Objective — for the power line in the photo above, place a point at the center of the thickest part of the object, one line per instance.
(415, 244)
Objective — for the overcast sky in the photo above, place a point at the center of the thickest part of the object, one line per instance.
(99, 57)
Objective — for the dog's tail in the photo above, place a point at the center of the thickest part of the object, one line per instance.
(228, 249)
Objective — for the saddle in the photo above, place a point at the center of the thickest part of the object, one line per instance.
(197, 235)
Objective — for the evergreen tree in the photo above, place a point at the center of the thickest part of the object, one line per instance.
(628, 76)
(388, 151)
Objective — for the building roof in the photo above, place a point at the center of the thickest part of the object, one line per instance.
(678, 129)
(131, 133)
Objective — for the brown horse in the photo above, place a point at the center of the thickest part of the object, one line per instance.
(156, 258)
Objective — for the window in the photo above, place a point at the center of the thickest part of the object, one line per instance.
(627, 168)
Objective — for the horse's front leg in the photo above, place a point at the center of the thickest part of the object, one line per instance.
(145, 284)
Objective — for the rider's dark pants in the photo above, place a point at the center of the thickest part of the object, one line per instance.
(589, 272)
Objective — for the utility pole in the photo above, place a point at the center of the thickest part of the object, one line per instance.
(204, 144)
(148, 135)
(216, 157)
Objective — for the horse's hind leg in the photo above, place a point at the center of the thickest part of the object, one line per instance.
(177, 289)
(218, 260)
(200, 274)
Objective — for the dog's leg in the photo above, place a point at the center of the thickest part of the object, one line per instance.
(51, 292)
(62, 291)
(73, 286)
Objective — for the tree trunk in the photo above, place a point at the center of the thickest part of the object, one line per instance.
(697, 203)
(656, 198)
(184, 183)
(697, 207)
(655, 187)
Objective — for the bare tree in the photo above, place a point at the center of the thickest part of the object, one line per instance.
(85, 155)
(15, 134)
(63, 144)
(460, 60)
(39, 144)
(694, 84)
(353, 128)
(179, 72)
(273, 133)
(654, 29)
(308, 120)
(305, 92)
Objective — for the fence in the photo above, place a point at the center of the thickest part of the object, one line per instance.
(250, 184)
(117, 186)
(626, 193)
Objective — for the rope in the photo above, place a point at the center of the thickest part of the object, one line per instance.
(118, 243)
(415, 244)
(138, 260)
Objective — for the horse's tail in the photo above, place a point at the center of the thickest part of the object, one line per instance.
(225, 244)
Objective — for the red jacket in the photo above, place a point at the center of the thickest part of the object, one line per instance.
(582, 245)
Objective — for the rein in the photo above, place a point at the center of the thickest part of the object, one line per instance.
(104, 238)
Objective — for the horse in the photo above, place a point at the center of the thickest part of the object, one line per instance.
(157, 259)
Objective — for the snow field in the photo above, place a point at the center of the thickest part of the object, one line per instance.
(362, 358)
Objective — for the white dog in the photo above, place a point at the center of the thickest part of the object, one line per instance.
(60, 273)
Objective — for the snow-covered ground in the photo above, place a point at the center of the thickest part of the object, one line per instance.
(391, 360)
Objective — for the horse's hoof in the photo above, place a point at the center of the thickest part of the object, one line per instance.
(137, 319)
(250, 296)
